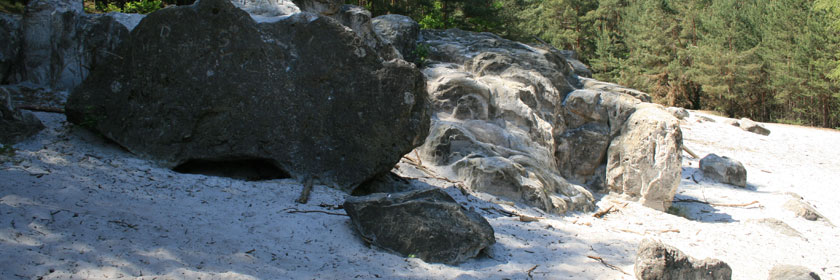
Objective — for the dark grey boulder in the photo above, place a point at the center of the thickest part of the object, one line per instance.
(751, 126)
(206, 82)
(792, 272)
(426, 224)
(724, 170)
(656, 260)
(10, 35)
(359, 20)
(16, 125)
(400, 31)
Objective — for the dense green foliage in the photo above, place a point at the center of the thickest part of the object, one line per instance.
(766, 60)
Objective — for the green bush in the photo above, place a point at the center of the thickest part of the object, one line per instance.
(421, 53)
(142, 6)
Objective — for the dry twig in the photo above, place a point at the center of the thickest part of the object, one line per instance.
(532, 270)
(292, 210)
(693, 155)
(307, 188)
(607, 264)
(605, 211)
(41, 109)
(717, 204)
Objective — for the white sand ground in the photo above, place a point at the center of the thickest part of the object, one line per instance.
(75, 207)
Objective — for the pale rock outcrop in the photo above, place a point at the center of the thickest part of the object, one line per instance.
(644, 161)
(499, 110)
(724, 170)
(267, 8)
(61, 44)
(427, 224)
(751, 126)
(658, 261)
(206, 82)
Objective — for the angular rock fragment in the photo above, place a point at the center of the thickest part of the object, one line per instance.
(206, 82)
(427, 224)
(680, 113)
(803, 209)
(724, 170)
(751, 126)
(656, 260)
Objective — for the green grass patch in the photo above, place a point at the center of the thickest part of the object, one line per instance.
(11, 6)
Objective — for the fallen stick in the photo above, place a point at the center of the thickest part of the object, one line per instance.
(717, 204)
(693, 155)
(532, 270)
(604, 212)
(307, 188)
(315, 211)
(607, 264)
(41, 109)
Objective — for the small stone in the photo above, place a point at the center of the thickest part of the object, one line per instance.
(751, 126)
(680, 113)
(656, 260)
(724, 170)
(792, 272)
(803, 209)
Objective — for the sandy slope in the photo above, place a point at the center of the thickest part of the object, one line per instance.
(74, 206)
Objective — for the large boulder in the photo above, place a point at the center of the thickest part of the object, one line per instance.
(61, 44)
(11, 35)
(16, 125)
(724, 170)
(751, 126)
(206, 82)
(791, 272)
(427, 224)
(400, 31)
(644, 162)
(656, 260)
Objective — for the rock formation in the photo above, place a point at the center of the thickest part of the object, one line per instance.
(656, 260)
(427, 224)
(207, 82)
(517, 121)
(792, 272)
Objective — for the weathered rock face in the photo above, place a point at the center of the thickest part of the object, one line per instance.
(751, 126)
(206, 82)
(10, 48)
(15, 124)
(724, 170)
(61, 44)
(499, 112)
(510, 121)
(400, 31)
(428, 224)
(656, 260)
(644, 162)
(792, 272)
(359, 19)
(267, 8)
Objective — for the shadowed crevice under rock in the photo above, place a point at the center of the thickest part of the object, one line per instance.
(244, 169)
